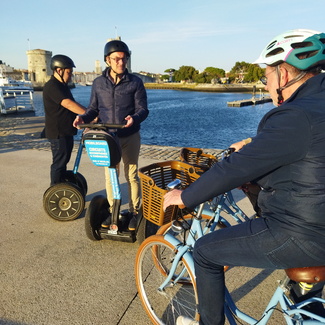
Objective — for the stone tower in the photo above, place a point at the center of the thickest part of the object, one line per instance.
(39, 67)
(98, 68)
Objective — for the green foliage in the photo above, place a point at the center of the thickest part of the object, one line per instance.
(241, 72)
(186, 73)
(202, 78)
(254, 73)
(171, 70)
(215, 72)
(164, 77)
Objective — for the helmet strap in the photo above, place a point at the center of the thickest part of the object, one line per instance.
(290, 83)
(61, 75)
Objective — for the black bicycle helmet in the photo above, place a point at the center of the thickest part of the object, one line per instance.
(115, 46)
(61, 61)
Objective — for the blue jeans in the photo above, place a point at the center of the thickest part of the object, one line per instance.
(250, 244)
(61, 153)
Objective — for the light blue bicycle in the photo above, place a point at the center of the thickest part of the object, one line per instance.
(165, 279)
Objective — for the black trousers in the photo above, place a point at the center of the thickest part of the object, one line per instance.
(61, 153)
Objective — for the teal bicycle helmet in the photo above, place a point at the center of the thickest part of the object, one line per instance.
(301, 48)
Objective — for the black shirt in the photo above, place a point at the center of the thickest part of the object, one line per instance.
(58, 120)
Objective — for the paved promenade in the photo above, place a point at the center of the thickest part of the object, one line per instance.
(50, 272)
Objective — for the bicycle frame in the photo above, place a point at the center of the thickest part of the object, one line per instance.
(292, 313)
(219, 204)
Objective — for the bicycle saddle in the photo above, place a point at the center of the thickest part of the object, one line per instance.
(312, 274)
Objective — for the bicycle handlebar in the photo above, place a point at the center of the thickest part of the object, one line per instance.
(101, 126)
(225, 153)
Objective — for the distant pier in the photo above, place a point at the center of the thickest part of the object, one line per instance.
(249, 102)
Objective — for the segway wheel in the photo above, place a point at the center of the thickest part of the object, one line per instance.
(96, 213)
(145, 228)
(77, 179)
(64, 201)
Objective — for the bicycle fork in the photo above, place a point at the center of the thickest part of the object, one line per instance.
(182, 252)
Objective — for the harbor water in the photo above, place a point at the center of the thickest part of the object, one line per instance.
(189, 118)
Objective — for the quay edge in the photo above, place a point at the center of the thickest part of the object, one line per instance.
(222, 88)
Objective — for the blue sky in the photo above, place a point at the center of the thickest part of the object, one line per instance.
(161, 34)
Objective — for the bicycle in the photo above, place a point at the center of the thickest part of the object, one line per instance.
(222, 203)
(167, 295)
(222, 211)
(165, 279)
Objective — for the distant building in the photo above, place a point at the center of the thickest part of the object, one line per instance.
(39, 67)
(98, 68)
(5, 68)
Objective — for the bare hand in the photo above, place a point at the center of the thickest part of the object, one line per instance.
(237, 146)
(173, 198)
(77, 121)
(129, 121)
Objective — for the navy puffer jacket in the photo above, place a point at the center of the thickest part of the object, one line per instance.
(287, 159)
(112, 103)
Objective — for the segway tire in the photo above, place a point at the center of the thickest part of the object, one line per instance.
(96, 213)
(64, 201)
(145, 228)
(77, 179)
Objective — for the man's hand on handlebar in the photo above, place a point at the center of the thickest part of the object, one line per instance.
(129, 121)
(77, 121)
(240, 144)
(237, 146)
(173, 198)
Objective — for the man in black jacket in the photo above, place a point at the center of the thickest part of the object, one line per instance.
(286, 159)
(60, 111)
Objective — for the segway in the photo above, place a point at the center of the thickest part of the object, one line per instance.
(65, 201)
(104, 150)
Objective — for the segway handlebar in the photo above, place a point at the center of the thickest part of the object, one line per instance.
(101, 126)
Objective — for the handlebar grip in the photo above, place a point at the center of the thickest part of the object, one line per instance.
(101, 126)
(225, 153)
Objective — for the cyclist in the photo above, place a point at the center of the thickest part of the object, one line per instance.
(287, 160)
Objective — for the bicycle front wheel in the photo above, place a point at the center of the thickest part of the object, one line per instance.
(177, 297)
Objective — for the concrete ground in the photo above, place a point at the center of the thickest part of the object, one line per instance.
(51, 273)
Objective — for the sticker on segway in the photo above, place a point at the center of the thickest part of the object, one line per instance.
(98, 152)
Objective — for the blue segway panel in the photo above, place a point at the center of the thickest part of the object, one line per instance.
(102, 148)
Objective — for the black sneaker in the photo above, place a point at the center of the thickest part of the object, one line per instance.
(133, 223)
(107, 222)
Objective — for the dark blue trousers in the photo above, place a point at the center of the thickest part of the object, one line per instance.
(250, 244)
(61, 153)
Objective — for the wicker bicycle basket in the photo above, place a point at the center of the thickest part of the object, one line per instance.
(154, 180)
(195, 156)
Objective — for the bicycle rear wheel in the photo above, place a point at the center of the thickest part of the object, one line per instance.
(178, 297)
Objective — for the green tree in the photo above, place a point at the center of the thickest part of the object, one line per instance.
(215, 73)
(165, 77)
(202, 78)
(254, 73)
(187, 73)
(170, 72)
(238, 71)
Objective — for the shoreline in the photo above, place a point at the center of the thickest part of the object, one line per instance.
(222, 88)
(20, 132)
